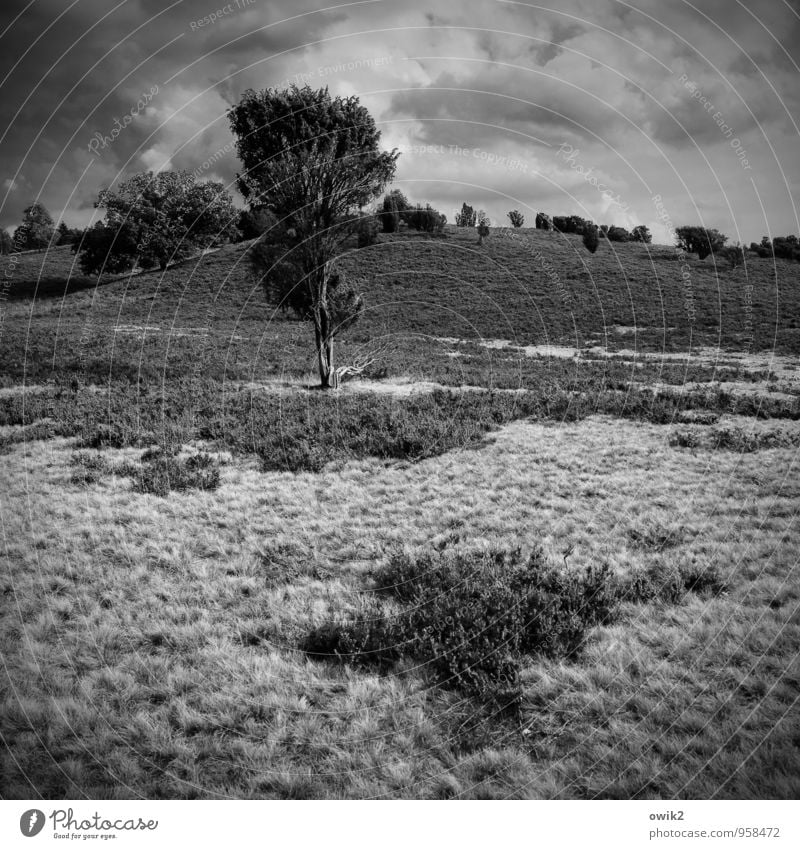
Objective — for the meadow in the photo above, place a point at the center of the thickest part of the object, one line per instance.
(544, 547)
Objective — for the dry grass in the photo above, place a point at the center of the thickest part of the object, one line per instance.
(150, 644)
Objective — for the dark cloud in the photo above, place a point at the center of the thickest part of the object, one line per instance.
(505, 79)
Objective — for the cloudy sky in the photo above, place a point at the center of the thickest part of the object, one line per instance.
(592, 107)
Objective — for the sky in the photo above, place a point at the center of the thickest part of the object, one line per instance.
(655, 112)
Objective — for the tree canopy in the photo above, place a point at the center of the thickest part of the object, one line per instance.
(154, 218)
(36, 229)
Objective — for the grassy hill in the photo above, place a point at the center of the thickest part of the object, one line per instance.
(545, 548)
(529, 287)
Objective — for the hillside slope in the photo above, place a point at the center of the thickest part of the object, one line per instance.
(529, 286)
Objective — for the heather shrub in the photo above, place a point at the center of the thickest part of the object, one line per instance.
(162, 472)
(471, 617)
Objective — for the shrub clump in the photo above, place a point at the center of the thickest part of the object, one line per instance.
(735, 439)
(472, 616)
(88, 467)
(162, 472)
(670, 582)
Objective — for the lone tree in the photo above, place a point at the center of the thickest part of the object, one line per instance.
(641, 234)
(467, 217)
(516, 218)
(700, 240)
(154, 218)
(36, 229)
(314, 161)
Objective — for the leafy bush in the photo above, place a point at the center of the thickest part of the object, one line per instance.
(618, 234)
(472, 616)
(734, 254)
(642, 234)
(516, 218)
(428, 220)
(786, 247)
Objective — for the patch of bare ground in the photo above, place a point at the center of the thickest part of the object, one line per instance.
(150, 644)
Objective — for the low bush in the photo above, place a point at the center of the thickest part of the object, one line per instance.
(735, 439)
(162, 472)
(471, 617)
(670, 583)
(88, 467)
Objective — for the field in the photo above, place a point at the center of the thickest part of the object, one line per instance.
(219, 582)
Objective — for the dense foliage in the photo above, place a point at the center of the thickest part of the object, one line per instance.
(153, 219)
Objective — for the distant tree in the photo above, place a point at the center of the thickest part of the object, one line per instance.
(617, 234)
(590, 238)
(570, 224)
(427, 219)
(483, 226)
(314, 161)
(67, 235)
(153, 218)
(107, 248)
(764, 248)
(36, 229)
(786, 247)
(641, 234)
(699, 240)
(734, 254)
(543, 221)
(603, 231)
(390, 217)
(401, 202)
(467, 216)
(6, 243)
(253, 222)
(516, 217)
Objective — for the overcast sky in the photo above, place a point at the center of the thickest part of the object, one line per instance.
(592, 107)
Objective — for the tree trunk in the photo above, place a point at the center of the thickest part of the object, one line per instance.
(328, 379)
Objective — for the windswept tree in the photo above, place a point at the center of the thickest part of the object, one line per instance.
(314, 161)
(516, 218)
(36, 229)
(152, 219)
